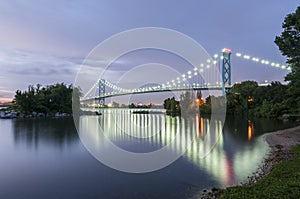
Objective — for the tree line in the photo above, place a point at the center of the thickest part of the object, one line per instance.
(50, 99)
(271, 101)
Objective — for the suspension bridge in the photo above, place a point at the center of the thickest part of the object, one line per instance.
(190, 80)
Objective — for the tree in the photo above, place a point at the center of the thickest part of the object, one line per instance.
(289, 40)
(262, 101)
(49, 99)
(172, 106)
(289, 45)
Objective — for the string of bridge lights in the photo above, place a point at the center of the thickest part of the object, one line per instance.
(262, 61)
(177, 82)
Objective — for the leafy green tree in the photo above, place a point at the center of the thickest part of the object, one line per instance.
(247, 98)
(172, 106)
(49, 99)
(289, 45)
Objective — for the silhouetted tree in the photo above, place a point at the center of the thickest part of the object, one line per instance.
(289, 45)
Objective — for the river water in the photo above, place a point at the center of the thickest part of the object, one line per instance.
(44, 157)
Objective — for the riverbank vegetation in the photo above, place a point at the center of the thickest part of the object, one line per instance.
(172, 106)
(248, 98)
(45, 100)
(282, 182)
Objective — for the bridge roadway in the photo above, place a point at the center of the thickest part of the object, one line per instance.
(150, 90)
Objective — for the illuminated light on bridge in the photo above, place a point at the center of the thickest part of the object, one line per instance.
(246, 57)
(226, 50)
(262, 61)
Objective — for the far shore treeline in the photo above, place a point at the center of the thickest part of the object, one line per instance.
(49, 99)
(249, 99)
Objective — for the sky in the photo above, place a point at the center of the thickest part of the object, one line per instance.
(46, 41)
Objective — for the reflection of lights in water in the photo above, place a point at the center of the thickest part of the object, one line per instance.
(250, 130)
(121, 127)
(202, 127)
(197, 126)
(246, 161)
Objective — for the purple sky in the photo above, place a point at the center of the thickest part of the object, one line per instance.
(46, 41)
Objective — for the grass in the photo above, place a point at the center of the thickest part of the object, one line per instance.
(282, 182)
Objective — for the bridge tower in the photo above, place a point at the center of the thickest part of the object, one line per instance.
(101, 100)
(226, 70)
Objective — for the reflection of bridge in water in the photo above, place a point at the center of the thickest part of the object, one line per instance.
(207, 151)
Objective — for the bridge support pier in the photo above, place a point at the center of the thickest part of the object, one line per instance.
(101, 100)
(226, 70)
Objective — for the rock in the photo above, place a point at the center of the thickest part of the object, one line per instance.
(214, 189)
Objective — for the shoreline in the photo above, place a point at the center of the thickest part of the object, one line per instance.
(280, 143)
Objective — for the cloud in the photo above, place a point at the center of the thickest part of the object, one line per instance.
(29, 63)
(19, 68)
(6, 94)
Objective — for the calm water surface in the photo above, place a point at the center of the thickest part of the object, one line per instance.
(44, 158)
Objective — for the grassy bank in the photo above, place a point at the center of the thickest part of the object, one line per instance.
(282, 182)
